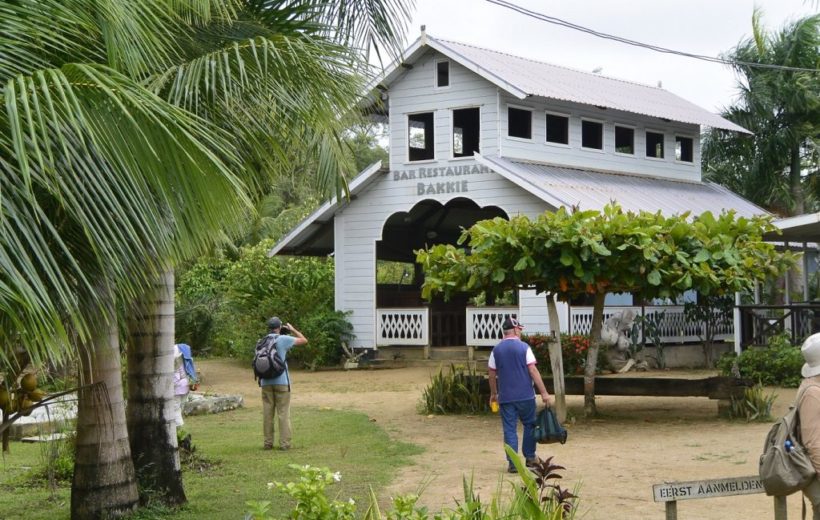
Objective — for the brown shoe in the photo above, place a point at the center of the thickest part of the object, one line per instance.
(267, 447)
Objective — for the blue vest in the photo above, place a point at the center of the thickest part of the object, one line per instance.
(514, 381)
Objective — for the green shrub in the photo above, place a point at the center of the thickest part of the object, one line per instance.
(755, 405)
(777, 364)
(539, 497)
(222, 306)
(574, 348)
(455, 392)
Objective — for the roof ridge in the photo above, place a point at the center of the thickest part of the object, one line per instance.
(533, 60)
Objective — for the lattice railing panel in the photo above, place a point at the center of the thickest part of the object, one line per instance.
(407, 326)
(484, 324)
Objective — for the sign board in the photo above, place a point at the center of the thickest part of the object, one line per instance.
(723, 487)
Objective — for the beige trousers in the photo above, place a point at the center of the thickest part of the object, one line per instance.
(276, 401)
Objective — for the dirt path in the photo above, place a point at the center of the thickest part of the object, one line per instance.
(615, 460)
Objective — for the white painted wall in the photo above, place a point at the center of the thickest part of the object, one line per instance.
(359, 226)
(539, 150)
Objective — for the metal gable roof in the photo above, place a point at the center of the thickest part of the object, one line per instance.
(562, 186)
(523, 77)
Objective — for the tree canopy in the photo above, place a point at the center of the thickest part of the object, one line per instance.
(779, 102)
(570, 253)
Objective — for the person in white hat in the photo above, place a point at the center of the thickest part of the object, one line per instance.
(809, 412)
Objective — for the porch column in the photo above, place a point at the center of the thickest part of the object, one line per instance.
(736, 312)
(805, 273)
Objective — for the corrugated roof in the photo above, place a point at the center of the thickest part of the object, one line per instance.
(524, 77)
(561, 186)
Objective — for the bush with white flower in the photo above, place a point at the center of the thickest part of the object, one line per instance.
(311, 500)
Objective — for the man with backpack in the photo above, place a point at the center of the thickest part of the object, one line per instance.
(276, 389)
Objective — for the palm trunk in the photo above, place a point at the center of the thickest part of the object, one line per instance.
(104, 482)
(556, 360)
(795, 181)
(592, 354)
(151, 392)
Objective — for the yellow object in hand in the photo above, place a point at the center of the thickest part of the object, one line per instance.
(494, 406)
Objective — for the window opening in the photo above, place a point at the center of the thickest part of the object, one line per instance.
(420, 136)
(592, 135)
(557, 129)
(654, 145)
(624, 140)
(466, 131)
(443, 74)
(519, 123)
(683, 149)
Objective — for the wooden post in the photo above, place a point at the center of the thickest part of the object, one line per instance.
(780, 508)
(672, 510)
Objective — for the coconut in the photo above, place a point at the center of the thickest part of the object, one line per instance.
(4, 398)
(29, 383)
(36, 395)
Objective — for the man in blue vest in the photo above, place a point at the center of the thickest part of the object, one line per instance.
(512, 373)
(276, 391)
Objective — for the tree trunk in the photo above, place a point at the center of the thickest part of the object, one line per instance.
(557, 359)
(592, 355)
(151, 423)
(104, 482)
(795, 182)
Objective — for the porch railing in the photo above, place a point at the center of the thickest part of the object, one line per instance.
(758, 323)
(674, 328)
(403, 326)
(484, 324)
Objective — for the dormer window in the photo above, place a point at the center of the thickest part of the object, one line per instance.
(557, 128)
(684, 149)
(466, 131)
(592, 135)
(519, 123)
(624, 140)
(654, 145)
(420, 137)
(442, 73)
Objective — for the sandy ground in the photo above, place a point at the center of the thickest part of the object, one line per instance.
(615, 460)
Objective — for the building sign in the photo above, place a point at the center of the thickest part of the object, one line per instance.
(440, 180)
(723, 487)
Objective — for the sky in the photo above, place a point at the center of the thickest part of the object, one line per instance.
(707, 27)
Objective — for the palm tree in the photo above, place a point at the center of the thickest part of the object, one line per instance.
(119, 157)
(782, 109)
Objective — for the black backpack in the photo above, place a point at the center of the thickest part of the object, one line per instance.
(267, 363)
(548, 429)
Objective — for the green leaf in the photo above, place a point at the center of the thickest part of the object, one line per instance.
(654, 277)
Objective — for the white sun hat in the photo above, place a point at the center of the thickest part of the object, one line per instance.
(811, 353)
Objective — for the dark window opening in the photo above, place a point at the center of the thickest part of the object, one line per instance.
(624, 140)
(466, 131)
(592, 135)
(683, 149)
(420, 136)
(443, 74)
(519, 123)
(654, 145)
(557, 129)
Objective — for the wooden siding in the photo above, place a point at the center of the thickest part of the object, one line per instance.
(537, 149)
(414, 92)
(359, 226)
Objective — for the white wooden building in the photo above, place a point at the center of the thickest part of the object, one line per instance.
(476, 134)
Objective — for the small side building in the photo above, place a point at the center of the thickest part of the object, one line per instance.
(477, 134)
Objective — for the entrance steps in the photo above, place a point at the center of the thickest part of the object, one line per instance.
(430, 356)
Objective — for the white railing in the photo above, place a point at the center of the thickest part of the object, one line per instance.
(405, 326)
(484, 324)
(674, 328)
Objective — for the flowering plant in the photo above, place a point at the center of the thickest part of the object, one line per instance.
(574, 349)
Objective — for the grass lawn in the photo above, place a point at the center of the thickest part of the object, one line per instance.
(340, 440)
